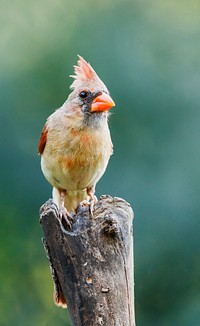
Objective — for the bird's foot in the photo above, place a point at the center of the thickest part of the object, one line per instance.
(91, 202)
(65, 217)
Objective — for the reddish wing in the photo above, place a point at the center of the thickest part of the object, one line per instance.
(43, 139)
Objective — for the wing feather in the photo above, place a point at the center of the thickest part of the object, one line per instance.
(43, 140)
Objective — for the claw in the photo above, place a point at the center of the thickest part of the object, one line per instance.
(65, 216)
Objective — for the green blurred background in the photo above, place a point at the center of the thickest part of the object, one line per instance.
(148, 54)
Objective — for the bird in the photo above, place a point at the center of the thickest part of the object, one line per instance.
(75, 144)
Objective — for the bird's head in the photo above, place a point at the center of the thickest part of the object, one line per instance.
(90, 97)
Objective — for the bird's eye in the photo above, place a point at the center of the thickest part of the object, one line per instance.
(83, 94)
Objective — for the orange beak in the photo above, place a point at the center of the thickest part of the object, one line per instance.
(102, 102)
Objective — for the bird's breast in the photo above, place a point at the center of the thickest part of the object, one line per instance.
(76, 160)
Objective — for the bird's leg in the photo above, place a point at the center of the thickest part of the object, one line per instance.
(63, 213)
(93, 198)
(89, 202)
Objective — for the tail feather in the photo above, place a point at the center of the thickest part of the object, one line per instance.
(60, 300)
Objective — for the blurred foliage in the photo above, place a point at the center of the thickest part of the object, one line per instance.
(148, 54)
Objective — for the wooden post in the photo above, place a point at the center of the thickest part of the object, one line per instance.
(93, 262)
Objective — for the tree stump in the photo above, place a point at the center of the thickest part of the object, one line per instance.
(93, 262)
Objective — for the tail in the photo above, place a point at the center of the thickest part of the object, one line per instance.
(60, 300)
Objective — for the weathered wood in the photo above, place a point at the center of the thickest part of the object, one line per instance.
(93, 262)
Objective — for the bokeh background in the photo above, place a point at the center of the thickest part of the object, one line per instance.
(148, 54)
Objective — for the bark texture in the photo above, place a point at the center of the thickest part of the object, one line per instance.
(93, 262)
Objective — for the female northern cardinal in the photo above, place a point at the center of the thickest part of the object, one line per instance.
(75, 143)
